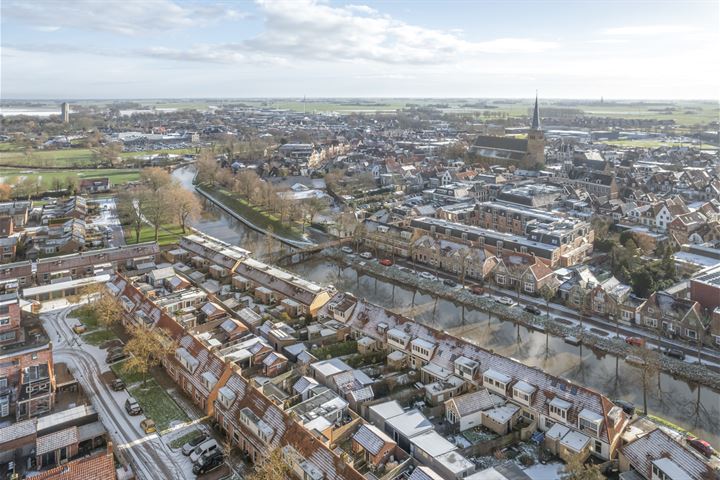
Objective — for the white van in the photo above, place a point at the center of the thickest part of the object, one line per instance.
(205, 447)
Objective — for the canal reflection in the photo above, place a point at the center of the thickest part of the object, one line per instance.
(687, 405)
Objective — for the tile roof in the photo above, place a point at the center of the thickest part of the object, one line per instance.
(100, 466)
(56, 440)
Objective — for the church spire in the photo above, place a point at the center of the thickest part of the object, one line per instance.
(536, 115)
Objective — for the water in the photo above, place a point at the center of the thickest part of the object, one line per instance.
(694, 408)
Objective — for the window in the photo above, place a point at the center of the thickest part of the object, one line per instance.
(690, 333)
(558, 412)
(529, 287)
(500, 279)
(3, 382)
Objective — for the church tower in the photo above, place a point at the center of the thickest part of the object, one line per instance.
(536, 139)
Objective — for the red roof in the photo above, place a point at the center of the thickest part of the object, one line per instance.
(88, 468)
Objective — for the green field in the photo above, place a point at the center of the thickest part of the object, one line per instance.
(116, 176)
(158, 405)
(70, 158)
(98, 337)
(167, 235)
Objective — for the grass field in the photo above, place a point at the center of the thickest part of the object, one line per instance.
(255, 215)
(70, 158)
(116, 176)
(98, 337)
(158, 405)
(182, 440)
(167, 235)
(129, 378)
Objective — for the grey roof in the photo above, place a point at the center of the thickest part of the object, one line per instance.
(474, 402)
(371, 438)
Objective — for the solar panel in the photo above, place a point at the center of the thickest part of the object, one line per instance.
(562, 387)
(574, 390)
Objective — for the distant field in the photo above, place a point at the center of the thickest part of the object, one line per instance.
(116, 176)
(656, 144)
(70, 158)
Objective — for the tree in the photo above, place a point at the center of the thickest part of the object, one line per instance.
(642, 282)
(107, 309)
(130, 203)
(247, 181)
(310, 208)
(155, 178)
(185, 204)
(5, 192)
(547, 293)
(576, 469)
(207, 168)
(272, 467)
(147, 348)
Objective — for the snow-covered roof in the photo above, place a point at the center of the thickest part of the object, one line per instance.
(658, 444)
(525, 387)
(575, 441)
(371, 438)
(558, 402)
(432, 443)
(474, 402)
(388, 409)
(557, 431)
(502, 414)
(497, 376)
(671, 469)
(455, 462)
(419, 342)
(331, 367)
(362, 394)
(410, 423)
(424, 473)
(590, 416)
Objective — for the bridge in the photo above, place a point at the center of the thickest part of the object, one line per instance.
(298, 254)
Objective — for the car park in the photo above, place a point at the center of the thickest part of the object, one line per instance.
(346, 250)
(148, 426)
(702, 446)
(188, 448)
(208, 462)
(366, 255)
(117, 385)
(132, 407)
(386, 262)
(532, 309)
(204, 448)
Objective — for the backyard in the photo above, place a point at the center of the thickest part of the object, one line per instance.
(167, 235)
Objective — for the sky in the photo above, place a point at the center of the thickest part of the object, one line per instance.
(583, 49)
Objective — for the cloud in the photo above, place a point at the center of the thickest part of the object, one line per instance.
(120, 17)
(308, 30)
(647, 30)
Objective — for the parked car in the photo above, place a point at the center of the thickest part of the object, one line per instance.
(346, 250)
(148, 426)
(477, 290)
(628, 407)
(209, 462)
(132, 407)
(206, 447)
(366, 255)
(188, 448)
(117, 385)
(675, 353)
(115, 356)
(427, 275)
(449, 283)
(79, 328)
(702, 446)
(637, 341)
(386, 262)
(533, 309)
(504, 300)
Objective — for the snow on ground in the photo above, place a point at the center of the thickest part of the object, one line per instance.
(461, 441)
(549, 471)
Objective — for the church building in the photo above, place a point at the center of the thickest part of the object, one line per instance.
(524, 152)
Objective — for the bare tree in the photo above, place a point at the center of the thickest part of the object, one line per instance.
(272, 467)
(130, 205)
(207, 168)
(147, 348)
(185, 204)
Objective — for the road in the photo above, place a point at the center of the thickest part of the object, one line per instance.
(108, 217)
(147, 454)
(710, 357)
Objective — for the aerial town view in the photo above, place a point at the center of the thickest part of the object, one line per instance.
(333, 240)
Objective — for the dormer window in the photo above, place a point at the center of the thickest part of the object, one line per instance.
(559, 408)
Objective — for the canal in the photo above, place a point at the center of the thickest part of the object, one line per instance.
(692, 407)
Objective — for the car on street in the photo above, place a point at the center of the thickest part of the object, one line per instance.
(504, 300)
(132, 407)
(208, 446)
(366, 255)
(188, 448)
(702, 446)
(208, 462)
(427, 275)
(346, 250)
(385, 262)
(79, 328)
(148, 426)
(675, 353)
(636, 341)
(477, 290)
(532, 309)
(117, 385)
(449, 283)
